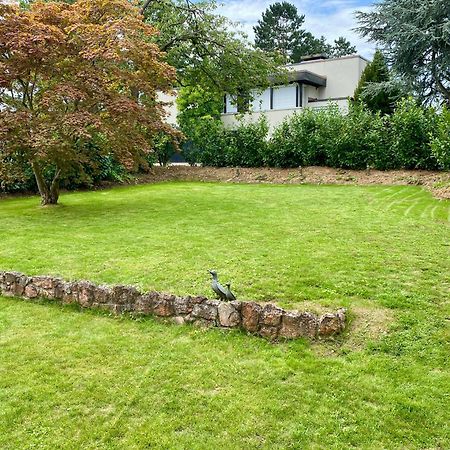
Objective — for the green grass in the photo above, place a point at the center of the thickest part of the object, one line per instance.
(80, 379)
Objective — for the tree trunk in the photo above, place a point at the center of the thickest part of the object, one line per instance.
(49, 194)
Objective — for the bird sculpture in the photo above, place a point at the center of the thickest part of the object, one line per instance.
(216, 286)
(230, 295)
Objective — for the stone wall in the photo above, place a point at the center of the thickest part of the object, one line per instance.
(267, 320)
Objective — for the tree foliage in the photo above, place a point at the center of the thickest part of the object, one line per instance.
(415, 37)
(376, 89)
(342, 47)
(280, 30)
(71, 75)
(200, 44)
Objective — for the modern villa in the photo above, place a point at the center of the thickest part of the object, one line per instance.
(312, 83)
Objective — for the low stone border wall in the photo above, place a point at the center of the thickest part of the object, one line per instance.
(267, 320)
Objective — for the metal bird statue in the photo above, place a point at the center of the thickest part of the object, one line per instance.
(216, 286)
(230, 295)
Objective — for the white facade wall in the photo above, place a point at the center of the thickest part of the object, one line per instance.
(342, 75)
(171, 106)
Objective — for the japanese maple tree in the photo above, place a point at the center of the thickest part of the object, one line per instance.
(74, 73)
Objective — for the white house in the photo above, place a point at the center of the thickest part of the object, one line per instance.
(312, 83)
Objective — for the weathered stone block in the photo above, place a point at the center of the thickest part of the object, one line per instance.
(31, 291)
(295, 324)
(271, 315)
(290, 325)
(183, 305)
(124, 294)
(207, 310)
(102, 294)
(178, 320)
(341, 315)
(268, 332)
(43, 283)
(329, 324)
(11, 277)
(145, 303)
(250, 312)
(69, 292)
(229, 315)
(20, 284)
(164, 305)
(86, 293)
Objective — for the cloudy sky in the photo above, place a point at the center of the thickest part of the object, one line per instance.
(330, 18)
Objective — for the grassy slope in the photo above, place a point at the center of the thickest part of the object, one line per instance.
(72, 380)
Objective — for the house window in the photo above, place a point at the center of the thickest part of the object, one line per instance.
(284, 97)
(243, 102)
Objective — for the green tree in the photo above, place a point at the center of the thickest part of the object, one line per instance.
(280, 30)
(415, 37)
(200, 44)
(199, 108)
(311, 45)
(76, 79)
(373, 87)
(342, 47)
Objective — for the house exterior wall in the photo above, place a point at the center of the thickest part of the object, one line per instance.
(342, 75)
(171, 106)
(276, 116)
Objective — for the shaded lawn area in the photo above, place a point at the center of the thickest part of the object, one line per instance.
(81, 379)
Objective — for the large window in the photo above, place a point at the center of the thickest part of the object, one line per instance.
(284, 97)
(277, 97)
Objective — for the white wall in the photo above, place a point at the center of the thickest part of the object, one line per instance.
(342, 75)
(171, 107)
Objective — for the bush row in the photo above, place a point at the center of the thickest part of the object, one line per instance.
(413, 137)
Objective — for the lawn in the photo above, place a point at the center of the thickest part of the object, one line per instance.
(82, 379)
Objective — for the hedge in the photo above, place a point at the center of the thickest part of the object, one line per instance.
(413, 137)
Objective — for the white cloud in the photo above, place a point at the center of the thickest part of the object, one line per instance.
(330, 18)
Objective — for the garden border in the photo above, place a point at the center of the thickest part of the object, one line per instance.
(268, 320)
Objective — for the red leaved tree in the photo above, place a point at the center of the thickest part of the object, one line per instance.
(73, 73)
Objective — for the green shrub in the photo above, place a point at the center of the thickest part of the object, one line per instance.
(305, 138)
(164, 149)
(210, 142)
(358, 143)
(412, 130)
(213, 144)
(440, 141)
(247, 143)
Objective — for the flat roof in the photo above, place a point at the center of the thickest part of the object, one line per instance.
(301, 76)
(314, 61)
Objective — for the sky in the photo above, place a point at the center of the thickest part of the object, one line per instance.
(330, 18)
